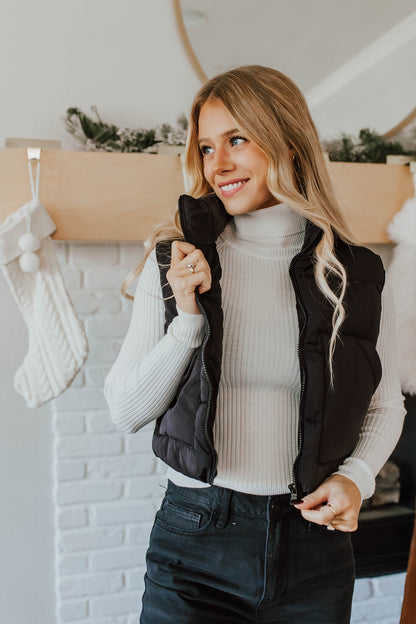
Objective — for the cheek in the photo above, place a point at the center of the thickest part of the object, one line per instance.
(257, 163)
(262, 175)
(207, 171)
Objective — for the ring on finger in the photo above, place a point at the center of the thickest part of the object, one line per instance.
(331, 508)
(191, 267)
(330, 526)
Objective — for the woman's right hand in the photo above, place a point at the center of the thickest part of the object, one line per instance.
(182, 281)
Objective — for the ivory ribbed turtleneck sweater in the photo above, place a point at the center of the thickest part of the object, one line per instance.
(255, 431)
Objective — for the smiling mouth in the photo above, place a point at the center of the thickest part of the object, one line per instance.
(232, 187)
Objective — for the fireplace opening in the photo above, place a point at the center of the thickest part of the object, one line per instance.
(382, 542)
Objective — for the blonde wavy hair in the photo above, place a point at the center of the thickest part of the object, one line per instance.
(272, 112)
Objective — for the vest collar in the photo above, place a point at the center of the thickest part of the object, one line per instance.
(204, 218)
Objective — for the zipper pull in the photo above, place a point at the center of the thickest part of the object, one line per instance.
(293, 494)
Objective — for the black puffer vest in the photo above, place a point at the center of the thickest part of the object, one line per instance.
(329, 420)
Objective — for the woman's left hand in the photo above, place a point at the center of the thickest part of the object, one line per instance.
(336, 502)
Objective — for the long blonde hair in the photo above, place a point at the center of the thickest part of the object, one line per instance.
(272, 112)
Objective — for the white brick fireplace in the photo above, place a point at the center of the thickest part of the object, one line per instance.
(108, 485)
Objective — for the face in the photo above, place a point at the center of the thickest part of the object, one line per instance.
(234, 166)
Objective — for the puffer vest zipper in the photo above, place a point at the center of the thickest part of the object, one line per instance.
(329, 420)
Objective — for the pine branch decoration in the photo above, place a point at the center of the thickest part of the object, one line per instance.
(369, 148)
(100, 136)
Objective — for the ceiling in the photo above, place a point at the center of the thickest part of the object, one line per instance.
(307, 40)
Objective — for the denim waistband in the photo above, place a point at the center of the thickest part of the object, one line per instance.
(231, 501)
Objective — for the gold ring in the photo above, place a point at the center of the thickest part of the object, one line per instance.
(191, 267)
(331, 508)
(330, 527)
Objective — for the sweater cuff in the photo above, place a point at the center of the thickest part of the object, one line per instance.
(188, 329)
(359, 472)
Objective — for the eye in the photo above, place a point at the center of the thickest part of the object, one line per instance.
(237, 140)
(205, 149)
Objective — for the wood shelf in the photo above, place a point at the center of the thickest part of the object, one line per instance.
(95, 196)
(371, 194)
(108, 196)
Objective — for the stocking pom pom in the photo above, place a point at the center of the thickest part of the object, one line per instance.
(29, 262)
(29, 242)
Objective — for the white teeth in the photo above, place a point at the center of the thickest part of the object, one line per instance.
(229, 187)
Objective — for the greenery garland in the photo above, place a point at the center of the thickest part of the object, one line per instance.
(370, 147)
(100, 136)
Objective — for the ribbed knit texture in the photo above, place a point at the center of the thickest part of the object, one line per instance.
(259, 390)
(58, 346)
(255, 431)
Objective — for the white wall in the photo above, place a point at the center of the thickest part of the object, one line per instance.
(125, 58)
(27, 519)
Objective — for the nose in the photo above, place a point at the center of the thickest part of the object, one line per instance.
(221, 161)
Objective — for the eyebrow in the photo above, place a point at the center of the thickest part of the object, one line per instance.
(224, 134)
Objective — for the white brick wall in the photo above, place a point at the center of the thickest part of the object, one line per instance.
(108, 485)
(378, 600)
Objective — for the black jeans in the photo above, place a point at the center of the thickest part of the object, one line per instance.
(216, 555)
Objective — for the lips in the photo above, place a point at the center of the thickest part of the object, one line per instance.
(231, 187)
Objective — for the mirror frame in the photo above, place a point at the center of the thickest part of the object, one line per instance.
(186, 42)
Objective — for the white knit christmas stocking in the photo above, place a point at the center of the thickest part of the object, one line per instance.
(57, 343)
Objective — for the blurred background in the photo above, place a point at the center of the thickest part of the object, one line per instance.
(78, 497)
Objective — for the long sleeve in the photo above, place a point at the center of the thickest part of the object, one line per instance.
(143, 380)
(383, 423)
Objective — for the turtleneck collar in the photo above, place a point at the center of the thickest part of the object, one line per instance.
(277, 231)
(268, 223)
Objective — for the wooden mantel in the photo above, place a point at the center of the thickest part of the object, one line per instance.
(107, 196)
(95, 195)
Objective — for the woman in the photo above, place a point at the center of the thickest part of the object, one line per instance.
(274, 390)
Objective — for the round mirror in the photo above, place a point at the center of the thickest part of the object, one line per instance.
(353, 61)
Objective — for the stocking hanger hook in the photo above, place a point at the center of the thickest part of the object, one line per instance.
(33, 153)
(33, 156)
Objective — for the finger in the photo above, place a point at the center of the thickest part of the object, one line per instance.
(346, 523)
(182, 271)
(194, 257)
(332, 508)
(317, 497)
(202, 281)
(345, 527)
(196, 265)
(205, 286)
(180, 249)
(324, 515)
(187, 282)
